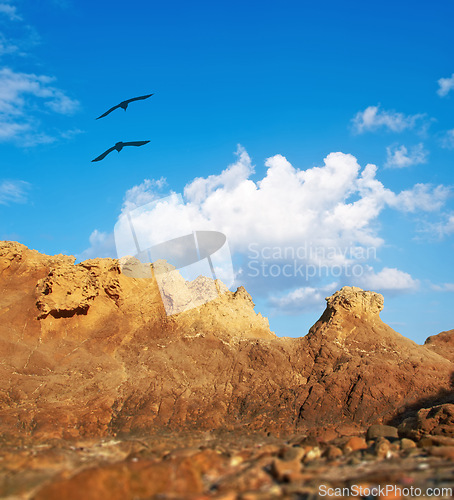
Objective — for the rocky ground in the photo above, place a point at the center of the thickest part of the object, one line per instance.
(229, 466)
(104, 396)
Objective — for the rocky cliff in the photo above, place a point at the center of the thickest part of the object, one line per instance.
(87, 350)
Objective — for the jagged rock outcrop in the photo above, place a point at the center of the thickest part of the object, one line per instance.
(442, 344)
(437, 420)
(361, 361)
(87, 350)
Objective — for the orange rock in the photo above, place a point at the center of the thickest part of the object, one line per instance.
(333, 452)
(355, 443)
(282, 469)
(126, 480)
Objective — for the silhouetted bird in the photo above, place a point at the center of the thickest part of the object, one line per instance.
(124, 104)
(119, 146)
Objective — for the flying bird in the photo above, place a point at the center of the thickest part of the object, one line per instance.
(119, 146)
(124, 104)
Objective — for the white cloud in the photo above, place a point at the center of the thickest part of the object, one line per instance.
(400, 156)
(301, 300)
(20, 97)
(142, 194)
(13, 191)
(445, 86)
(388, 280)
(443, 228)
(447, 141)
(236, 173)
(61, 103)
(373, 118)
(421, 197)
(10, 11)
(286, 207)
(445, 287)
(10, 129)
(16, 87)
(332, 209)
(290, 206)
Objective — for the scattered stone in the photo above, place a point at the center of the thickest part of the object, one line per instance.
(312, 453)
(309, 441)
(333, 452)
(378, 431)
(406, 444)
(382, 447)
(282, 469)
(293, 453)
(355, 443)
(425, 442)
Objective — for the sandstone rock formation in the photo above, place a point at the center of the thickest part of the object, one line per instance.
(442, 344)
(87, 350)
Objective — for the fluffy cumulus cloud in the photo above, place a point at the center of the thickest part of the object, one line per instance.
(20, 95)
(373, 118)
(445, 85)
(301, 229)
(301, 300)
(401, 156)
(13, 191)
(288, 205)
(387, 280)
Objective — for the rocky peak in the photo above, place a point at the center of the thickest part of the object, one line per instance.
(355, 301)
(347, 312)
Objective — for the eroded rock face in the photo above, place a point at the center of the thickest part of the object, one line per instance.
(66, 291)
(89, 350)
(442, 344)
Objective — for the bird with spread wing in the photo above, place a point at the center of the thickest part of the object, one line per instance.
(119, 146)
(124, 104)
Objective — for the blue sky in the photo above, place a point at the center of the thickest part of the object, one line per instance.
(291, 100)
